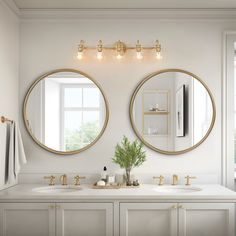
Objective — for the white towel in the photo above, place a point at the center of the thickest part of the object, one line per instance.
(15, 154)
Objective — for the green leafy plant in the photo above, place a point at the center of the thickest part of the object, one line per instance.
(129, 155)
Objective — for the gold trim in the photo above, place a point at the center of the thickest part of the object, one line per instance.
(140, 136)
(26, 121)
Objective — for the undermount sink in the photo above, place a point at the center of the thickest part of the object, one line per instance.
(176, 189)
(57, 189)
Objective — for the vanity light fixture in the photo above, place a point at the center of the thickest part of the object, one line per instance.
(120, 49)
(139, 50)
(99, 50)
(158, 50)
(80, 50)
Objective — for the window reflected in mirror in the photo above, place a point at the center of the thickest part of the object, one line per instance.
(65, 111)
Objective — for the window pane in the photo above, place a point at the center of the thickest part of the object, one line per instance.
(72, 130)
(73, 97)
(91, 97)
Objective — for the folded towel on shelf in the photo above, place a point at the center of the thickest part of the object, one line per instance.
(15, 154)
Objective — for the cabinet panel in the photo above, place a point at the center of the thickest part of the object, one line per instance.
(27, 219)
(152, 219)
(206, 219)
(87, 219)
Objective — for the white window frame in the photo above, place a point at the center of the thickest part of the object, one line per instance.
(228, 166)
(63, 109)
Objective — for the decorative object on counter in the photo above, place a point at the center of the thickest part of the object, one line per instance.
(101, 183)
(104, 174)
(136, 183)
(129, 155)
(111, 179)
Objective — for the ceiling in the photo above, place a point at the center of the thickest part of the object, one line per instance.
(124, 4)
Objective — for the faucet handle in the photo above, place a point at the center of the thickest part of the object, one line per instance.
(63, 179)
(51, 179)
(188, 179)
(78, 178)
(161, 179)
(175, 179)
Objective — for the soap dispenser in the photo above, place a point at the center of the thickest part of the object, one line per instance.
(104, 174)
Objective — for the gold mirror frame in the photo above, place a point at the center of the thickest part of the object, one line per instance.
(25, 116)
(140, 136)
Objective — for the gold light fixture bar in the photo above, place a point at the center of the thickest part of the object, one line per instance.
(120, 48)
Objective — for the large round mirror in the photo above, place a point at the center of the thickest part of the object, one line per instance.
(172, 111)
(65, 111)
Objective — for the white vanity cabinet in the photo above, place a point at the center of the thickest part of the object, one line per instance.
(60, 219)
(90, 219)
(27, 219)
(172, 219)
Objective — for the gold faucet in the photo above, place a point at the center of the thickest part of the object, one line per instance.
(51, 179)
(175, 180)
(161, 179)
(78, 178)
(188, 179)
(63, 179)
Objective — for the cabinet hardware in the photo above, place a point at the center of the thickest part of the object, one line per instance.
(51, 206)
(174, 207)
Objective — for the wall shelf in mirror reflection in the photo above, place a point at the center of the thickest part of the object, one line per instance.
(65, 111)
(172, 111)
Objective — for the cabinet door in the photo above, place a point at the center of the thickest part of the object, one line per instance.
(151, 219)
(27, 219)
(85, 219)
(206, 219)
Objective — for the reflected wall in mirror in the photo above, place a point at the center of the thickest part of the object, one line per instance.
(172, 111)
(65, 111)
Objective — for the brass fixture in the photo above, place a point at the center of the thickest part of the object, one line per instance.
(4, 119)
(78, 178)
(51, 179)
(80, 50)
(63, 179)
(161, 179)
(174, 207)
(99, 50)
(175, 180)
(120, 48)
(188, 179)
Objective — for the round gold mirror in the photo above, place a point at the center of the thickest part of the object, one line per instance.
(65, 111)
(172, 111)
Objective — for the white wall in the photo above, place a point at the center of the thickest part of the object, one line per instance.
(193, 45)
(9, 107)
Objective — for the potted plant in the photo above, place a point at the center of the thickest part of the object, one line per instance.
(129, 155)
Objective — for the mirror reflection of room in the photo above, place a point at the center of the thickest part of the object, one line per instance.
(173, 111)
(65, 111)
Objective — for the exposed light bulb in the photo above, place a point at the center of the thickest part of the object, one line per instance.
(158, 51)
(139, 50)
(119, 56)
(80, 50)
(99, 50)
(99, 55)
(158, 56)
(80, 55)
(139, 55)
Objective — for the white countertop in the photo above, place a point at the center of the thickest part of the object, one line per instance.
(24, 192)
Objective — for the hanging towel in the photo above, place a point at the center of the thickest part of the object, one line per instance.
(15, 154)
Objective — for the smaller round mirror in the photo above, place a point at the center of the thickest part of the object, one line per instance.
(172, 111)
(65, 111)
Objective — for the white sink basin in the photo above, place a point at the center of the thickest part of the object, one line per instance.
(176, 189)
(57, 189)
